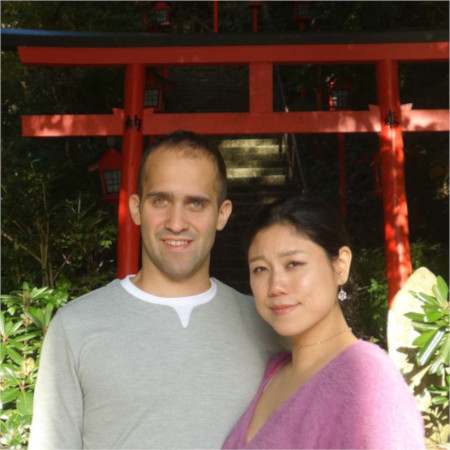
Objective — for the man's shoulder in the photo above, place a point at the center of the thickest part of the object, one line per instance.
(224, 290)
(95, 298)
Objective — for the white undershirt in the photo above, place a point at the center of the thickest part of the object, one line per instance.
(183, 306)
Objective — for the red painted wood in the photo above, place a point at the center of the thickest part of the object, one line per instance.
(215, 16)
(342, 175)
(232, 123)
(280, 54)
(260, 87)
(396, 226)
(132, 126)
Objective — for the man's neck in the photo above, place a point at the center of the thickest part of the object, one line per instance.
(163, 286)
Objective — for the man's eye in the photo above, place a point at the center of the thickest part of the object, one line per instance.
(196, 204)
(159, 201)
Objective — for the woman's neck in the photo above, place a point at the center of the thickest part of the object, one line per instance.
(314, 349)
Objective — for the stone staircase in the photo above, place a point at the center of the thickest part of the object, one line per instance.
(257, 174)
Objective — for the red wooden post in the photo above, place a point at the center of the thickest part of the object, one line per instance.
(255, 19)
(342, 175)
(261, 87)
(216, 16)
(254, 6)
(396, 228)
(129, 233)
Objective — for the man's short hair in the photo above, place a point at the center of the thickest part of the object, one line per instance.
(191, 145)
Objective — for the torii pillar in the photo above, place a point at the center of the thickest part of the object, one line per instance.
(129, 233)
(396, 228)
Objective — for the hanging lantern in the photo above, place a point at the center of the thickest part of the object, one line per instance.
(339, 93)
(109, 167)
(302, 14)
(162, 14)
(153, 94)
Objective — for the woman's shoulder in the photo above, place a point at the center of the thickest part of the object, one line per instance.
(370, 361)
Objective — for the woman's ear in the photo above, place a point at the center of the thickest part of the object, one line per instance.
(342, 265)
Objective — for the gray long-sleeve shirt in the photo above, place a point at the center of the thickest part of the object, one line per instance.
(119, 372)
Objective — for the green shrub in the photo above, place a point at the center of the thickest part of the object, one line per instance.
(24, 320)
(367, 314)
(433, 352)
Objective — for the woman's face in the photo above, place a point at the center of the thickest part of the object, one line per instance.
(294, 283)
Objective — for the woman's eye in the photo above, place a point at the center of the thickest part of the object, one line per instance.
(258, 269)
(295, 264)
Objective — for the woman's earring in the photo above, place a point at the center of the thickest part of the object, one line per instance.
(342, 295)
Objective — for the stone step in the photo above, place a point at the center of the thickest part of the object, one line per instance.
(278, 180)
(254, 172)
(253, 152)
(264, 160)
(247, 143)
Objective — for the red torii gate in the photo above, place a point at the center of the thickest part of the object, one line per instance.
(136, 51)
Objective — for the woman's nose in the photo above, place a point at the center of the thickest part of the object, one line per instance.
(277, 284)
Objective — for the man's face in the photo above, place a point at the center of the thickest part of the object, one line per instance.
(178, 214)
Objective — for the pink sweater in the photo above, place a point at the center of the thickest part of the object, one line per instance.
(358, 401)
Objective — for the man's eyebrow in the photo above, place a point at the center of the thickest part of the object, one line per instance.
(158, 194)
(198, 198)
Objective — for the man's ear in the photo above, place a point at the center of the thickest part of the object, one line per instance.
(133, 204)
(342, 265)
(224, 213)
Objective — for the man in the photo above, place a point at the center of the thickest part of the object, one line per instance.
(168, 358)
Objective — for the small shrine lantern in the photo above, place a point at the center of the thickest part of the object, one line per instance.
(302, 14)
(339, 94)
(162, 14)
(153, 94)
(109, 167)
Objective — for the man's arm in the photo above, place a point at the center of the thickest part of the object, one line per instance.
(58, 399)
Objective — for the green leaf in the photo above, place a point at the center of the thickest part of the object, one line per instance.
(433, 315)
(2, 352)
(37, 316)
(10, 395)
(439, 400)
(424, 338)
(427, 299)
(426, 353)
(15, 344)
(14, 355)
(419, 326)
(440, 291)
(415, 316)
(48, 314)
(29, 336)
(25, 403)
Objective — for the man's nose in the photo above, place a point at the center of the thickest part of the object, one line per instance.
(176, 220)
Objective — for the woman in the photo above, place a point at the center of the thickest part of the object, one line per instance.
(331, 390)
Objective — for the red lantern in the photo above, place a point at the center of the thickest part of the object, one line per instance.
(109, 167)
(162, 14)
(302, 14)
(339, 94)
(153, 95)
